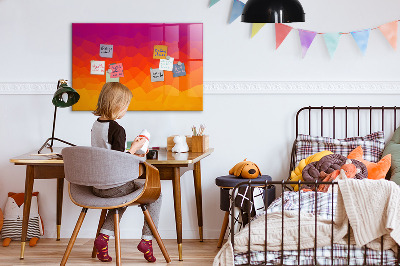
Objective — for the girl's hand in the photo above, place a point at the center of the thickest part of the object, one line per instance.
(137, 144)
(142, 155)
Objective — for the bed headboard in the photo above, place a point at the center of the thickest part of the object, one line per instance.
(344, 121)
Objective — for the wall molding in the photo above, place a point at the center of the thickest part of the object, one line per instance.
(302, 87)
(244, 87)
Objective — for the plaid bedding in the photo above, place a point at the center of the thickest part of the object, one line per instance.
(372, 145)
(322, 207)
(324, 257)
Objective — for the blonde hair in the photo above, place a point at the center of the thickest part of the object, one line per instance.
(113, 97)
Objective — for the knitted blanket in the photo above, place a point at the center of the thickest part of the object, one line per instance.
(371, 207)
(274, 235)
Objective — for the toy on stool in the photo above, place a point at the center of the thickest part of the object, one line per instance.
(13, 215)
(245, 169)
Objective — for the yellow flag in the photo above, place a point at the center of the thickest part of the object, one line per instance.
(256, 28)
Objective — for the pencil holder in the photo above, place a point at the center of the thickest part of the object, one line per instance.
(200, 143)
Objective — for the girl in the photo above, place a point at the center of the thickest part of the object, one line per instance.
(106, 133)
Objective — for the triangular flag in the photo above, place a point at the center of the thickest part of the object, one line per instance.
(306, 39)
(390, 32)
(213, 2)
(281, 31)
(361, 37)
(332, 41)
(237, 9)
(256, 27)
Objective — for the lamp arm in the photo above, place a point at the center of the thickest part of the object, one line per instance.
(54, 126)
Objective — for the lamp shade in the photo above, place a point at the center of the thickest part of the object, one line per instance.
(273, 11)
(65, 96)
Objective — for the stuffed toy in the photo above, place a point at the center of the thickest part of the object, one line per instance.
(245, 169)
(375, 170)
(13, 215)
(180, 144)
(296, 174)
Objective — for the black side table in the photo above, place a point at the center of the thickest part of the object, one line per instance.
(226, 183)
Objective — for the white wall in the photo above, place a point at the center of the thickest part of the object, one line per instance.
(36, 47)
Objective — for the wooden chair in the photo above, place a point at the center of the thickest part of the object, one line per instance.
(85, 167)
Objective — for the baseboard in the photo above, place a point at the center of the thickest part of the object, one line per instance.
(245, 87)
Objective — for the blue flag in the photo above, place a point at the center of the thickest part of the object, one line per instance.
(361, 38)
(237, 9)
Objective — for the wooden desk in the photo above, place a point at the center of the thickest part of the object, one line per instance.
(171, 167)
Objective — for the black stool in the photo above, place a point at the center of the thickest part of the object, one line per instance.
(226, 183)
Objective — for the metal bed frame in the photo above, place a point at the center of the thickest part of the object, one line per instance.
(284, 184)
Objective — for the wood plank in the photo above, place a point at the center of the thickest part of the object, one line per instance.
(48, 172)
(49, 252)
(164, 158)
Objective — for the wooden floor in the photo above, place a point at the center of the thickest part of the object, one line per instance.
(50, 252)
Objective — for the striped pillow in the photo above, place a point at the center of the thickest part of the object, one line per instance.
(372, 145)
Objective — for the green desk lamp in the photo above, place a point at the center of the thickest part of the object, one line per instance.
(64, 97)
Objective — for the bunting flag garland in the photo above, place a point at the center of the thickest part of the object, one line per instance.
(361, 37)
(332, 41)
(306, 39)
(256, 27)
(389, 30)
(281, 31)
(213, 2)
(237, 9)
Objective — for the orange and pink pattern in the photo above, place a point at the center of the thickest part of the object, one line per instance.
(133, 46)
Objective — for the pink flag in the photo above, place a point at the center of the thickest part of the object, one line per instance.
(281, 31)
(306, 39)
(389, 30)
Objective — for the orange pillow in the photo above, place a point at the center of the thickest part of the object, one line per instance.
(375, 170)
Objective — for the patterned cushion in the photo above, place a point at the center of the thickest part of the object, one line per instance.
(372, 144)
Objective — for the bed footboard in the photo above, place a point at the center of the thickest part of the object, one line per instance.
(309, 256)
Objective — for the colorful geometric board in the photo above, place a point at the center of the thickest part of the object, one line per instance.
(135, 49)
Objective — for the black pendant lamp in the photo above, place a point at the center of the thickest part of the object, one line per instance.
(273, 11)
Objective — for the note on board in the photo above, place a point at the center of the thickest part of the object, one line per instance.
(117, 70)
(97, 67)
(179, 70)
(156, 75)
(106, 50)
(160, 51)
(110, 79)
(167, 63)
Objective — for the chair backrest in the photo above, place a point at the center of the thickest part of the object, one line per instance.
(92, 166)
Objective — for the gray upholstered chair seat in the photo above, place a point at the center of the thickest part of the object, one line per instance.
(83, 196)
(85, 167)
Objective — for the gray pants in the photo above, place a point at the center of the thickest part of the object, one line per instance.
(154, 208)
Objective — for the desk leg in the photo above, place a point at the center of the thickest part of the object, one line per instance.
(176, 182)
(60, 190)
(199, 204)
(27, 206)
